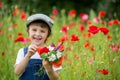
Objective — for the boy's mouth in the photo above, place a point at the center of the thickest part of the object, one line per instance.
(37, 39)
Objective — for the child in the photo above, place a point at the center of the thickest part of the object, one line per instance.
(28, 61)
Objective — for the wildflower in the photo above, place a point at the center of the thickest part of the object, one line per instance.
(93, 29)
(55, 12)
(1, 4)
(74, 38)
(23, 15)
(104, 30)
(103, 71)
(81, 28)
(102, 13)
(16, 11)
(72, 13)
(64, 29)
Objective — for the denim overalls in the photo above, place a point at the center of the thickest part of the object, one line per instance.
(33, 67)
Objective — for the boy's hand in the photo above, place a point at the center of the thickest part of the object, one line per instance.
(32, 49)
(47, 65)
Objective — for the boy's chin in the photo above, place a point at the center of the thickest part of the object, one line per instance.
(37, 44)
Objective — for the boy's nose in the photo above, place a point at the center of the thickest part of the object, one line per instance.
(37, 33)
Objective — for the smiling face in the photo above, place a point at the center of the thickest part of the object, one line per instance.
(38, 33)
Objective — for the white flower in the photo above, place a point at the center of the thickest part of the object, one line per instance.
(52, 57)
(59, 54)
(50, 48)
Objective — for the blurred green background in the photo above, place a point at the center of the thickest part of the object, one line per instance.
(46, 6)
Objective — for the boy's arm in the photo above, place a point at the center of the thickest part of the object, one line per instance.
(19, 68)
(51, 73)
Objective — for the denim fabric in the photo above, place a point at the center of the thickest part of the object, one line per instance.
(33, 66)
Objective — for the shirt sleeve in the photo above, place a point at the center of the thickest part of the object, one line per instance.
(20, 56)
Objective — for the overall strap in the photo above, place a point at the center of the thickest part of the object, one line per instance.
(25, 50)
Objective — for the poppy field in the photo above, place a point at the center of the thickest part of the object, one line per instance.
(91, 44)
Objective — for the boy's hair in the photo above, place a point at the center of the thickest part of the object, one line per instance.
(41, 24)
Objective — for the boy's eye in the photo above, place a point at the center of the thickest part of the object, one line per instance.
(34, 29)
(42, 31)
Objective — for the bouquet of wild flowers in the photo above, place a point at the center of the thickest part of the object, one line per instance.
(52, 54)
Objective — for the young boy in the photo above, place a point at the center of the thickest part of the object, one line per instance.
(28, 61)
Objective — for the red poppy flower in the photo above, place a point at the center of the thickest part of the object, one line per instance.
(57, 64)
(74, 38)
(19, 34)
(72, 13)
(103, 71)
(42, 50)
(116, 21)
(15, 24)
(81, 28)
(109, 36)
(93, 29)
(1, 4)
(102, 13)
(23, 15)
(104, 30)
(64, 29)
(1, 32)
(19, 39)
(63, 39)
(16, 11)
(87, 45)
(55, 12)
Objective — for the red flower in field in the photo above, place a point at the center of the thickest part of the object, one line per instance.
(19, 39)
(23, 15)
(92, 48)
(102, 13)
(116, 21)
(74, 38)
(84, 16)
(72, 13)
(104, 30)
(1, 32)
(87, 35)
(87, 45)
(109, 36)
(19, 34)
(16, 11)
(15, 24)
(55, 12)
(81, 28)
(113, 22)
(64, 29)
(3, 54)
(103, 71)
(89, 22)
(72, 24)
(93, 29)
(63, 39)
(1, 4)
(42, 50)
